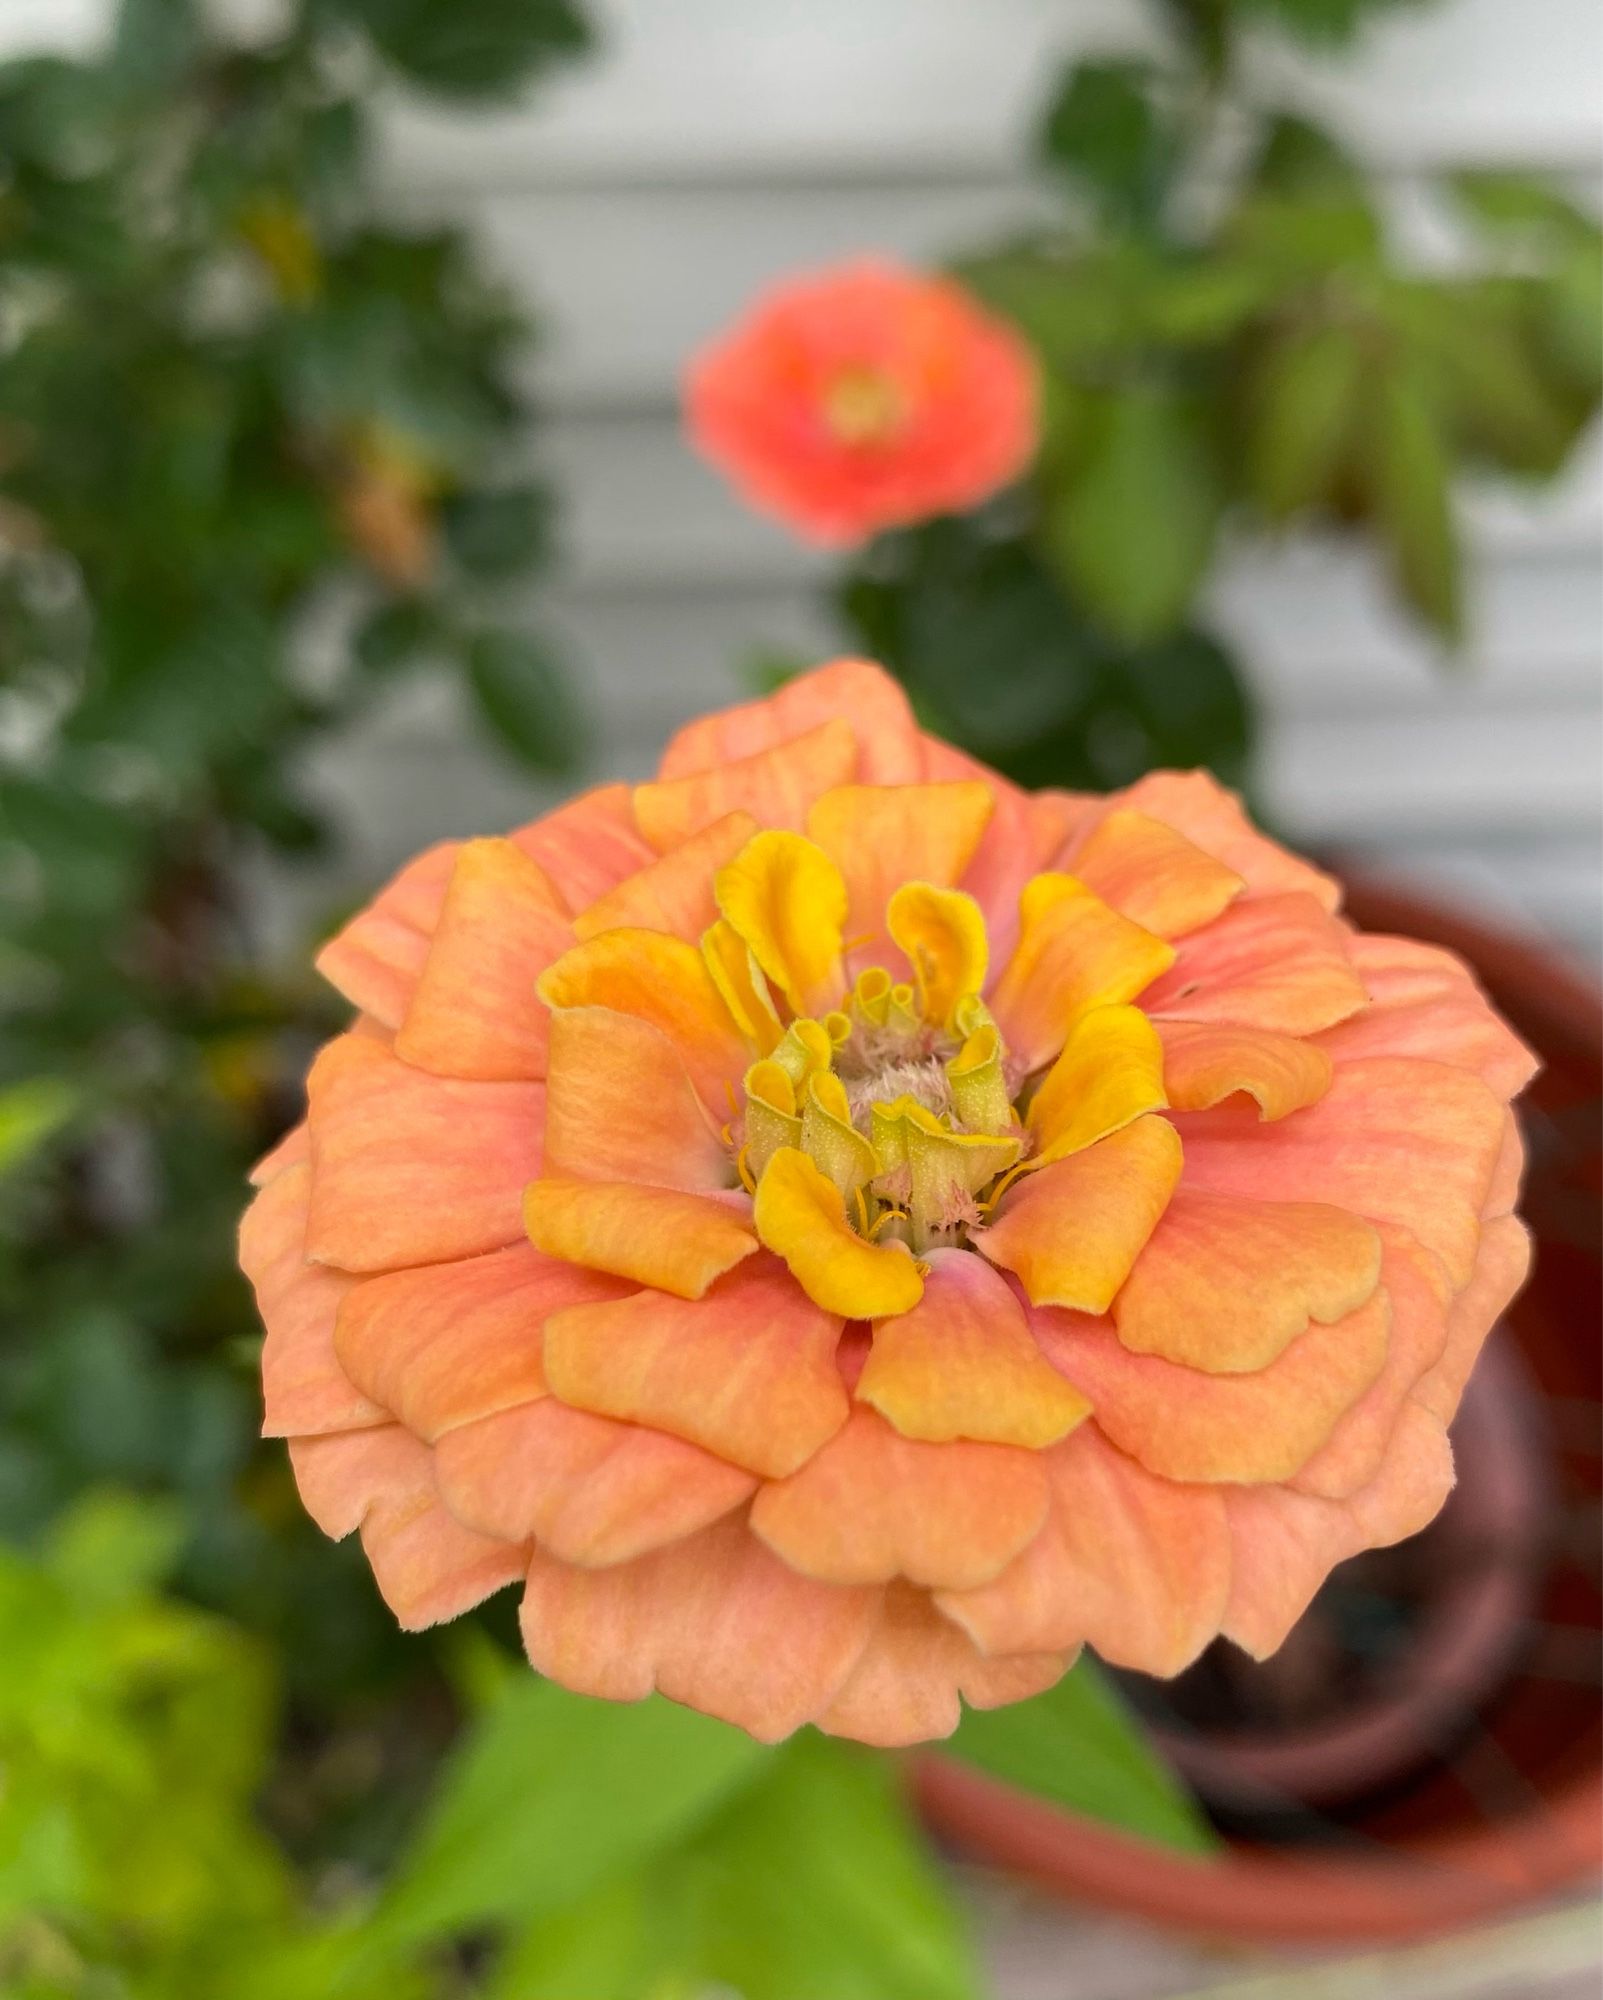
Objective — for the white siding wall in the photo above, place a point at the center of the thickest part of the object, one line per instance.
(717, 143)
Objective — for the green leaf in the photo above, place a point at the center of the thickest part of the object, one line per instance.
(110, 1548)
(1522, 204)
(524, 698)
(32, 1112)
(475, 49)
(1080, 1747)
(1409, 474)
(1103, 129)
(1305, 401)
(496, 535)
(814, 1883)
(550, 1794)
(1133, 526)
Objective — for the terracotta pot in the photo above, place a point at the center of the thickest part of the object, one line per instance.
(1374, 1793)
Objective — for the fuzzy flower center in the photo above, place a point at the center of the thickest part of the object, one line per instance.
(864, 407)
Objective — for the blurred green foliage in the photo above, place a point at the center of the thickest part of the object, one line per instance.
(1234, 339)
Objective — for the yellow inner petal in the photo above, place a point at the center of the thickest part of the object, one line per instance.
(1109, 1073)
(787, 899)
(801, 1216)
(942, 932)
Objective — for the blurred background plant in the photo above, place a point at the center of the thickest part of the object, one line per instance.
(1236, 338)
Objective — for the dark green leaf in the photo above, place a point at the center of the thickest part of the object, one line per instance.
(482, 49)
(496, 535)
(1133, 526)
(1304, 402)
(1080, 1747)
(523, 696)
(1409, 474)
(1105, 130)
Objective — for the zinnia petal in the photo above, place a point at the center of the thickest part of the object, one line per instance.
(620, 1106)
(778, 786)
(1073, 953)
(664, 1237)
(1275, 962)
(1153, 875)
(1207, 1063)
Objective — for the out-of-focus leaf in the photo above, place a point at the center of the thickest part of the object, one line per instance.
(1105, 130)
(524, 698)
(155, 40)
(1329, 23)
(1080, 1747)
(32, 1112)
(1133, 527)
(496, 534)
(1523, 204)
(1304, 401)
(814, 1882)
(1189, 702)
(1408, 473)
(110, 1548)
(550, 1794)
(475, 49)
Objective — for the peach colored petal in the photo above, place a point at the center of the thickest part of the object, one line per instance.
(376, 959)
(1026, 833)
(428, 1567)
(1284, 1544)
(871, 1505)
(1420, 1296)
(1503, 1191)
(664, 982)
(906, 1687)
(1423, 1002)
(409, 1168)
(1184, 1424)
(1500, 1269)
(962, 1364)
(1134, 1566)
(587, 846)
(474, 1012)
(1227, 1284)
(1153, 875)
(1394, 1139)
(620, 1106)
(714, 1620)
(747, 1372)
(1073, 953)
(1275, 962)
(588, 1490)
(294, 1147)
(304, 1388)
(446, 1343)
(1072, 1232)
(852, 690)
(777, 786)
(673, 893)
(664, 1237)
(881, 836)
(1212, 818)
(1208, 1062)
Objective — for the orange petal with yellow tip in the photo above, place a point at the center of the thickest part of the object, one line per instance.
(474, 1011)
(445, 1343)
(941, 932)
(747, 1372)
(801, 1216)
(1135, 1566)
(715, 1621)
(375, 961)
(428, 1567)
(1420, 1298)
(409, 1168)
(1071, 1232)
(620, 1106)
(1211, 817)
(1153, 875)
(854, 690)
(1226, 1284)
(1275, 962)
(785, 898)
(304, 1388)
(1423, 1002)
(1073, 953)
(1208, 1062)
(1500, 1269)
(881, 836)
(1108, 1073)
(587, 846)
(587, 1489)
(1183, 1423)
(666, 1237)
(674, 892)
(963, 1364)
(873, 1505)
(664, 982)
(776, 785)
(1285, 1543)
(916, 1671)
(1394, 1139)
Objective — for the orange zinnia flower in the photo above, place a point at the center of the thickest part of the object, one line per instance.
(843, 1232)
(865, 398)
